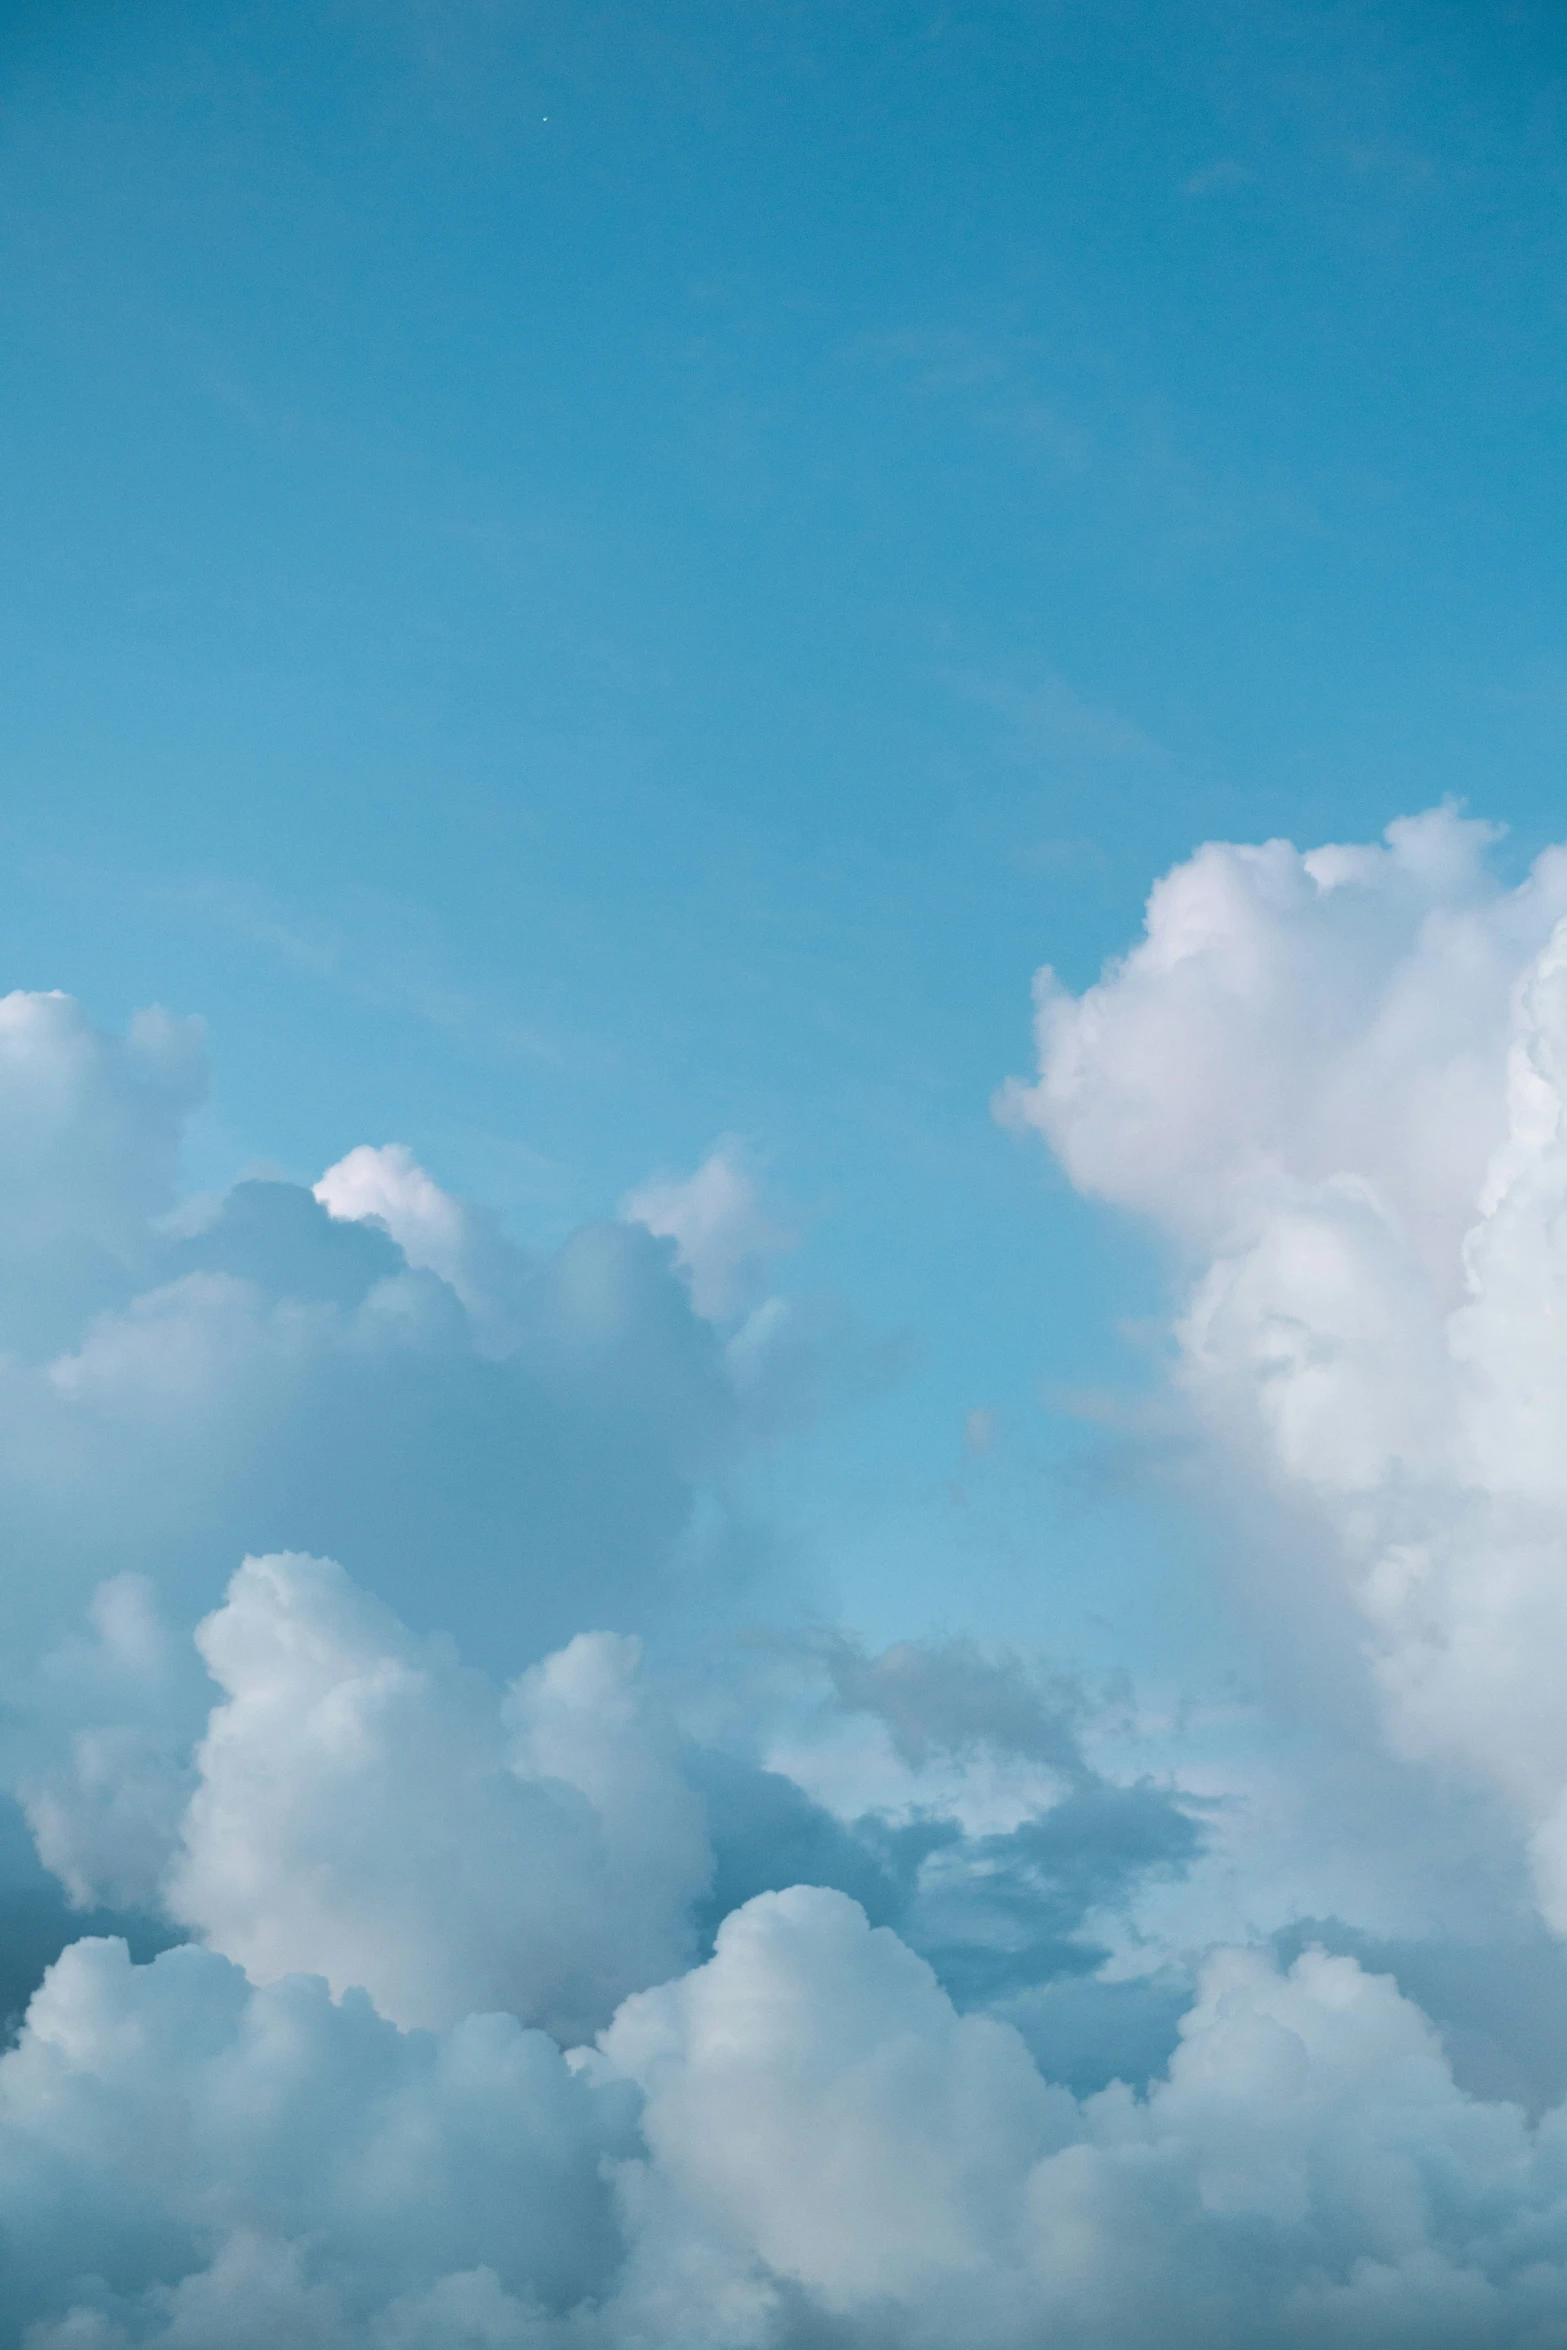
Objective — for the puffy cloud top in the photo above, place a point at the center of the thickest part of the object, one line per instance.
(800, 2143)
(1336, 1079)
(367, 1810)
(1292, 1017)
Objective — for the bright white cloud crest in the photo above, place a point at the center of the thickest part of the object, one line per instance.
(1338, 1081)
(366, 1811)
(465, 2053)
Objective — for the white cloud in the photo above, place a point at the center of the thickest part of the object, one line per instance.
(1337, 1081)
(188, 2158)
(725, 1243)
(437, 1234)
(1288, 1019)
(1308, 2174)
(106, 1826)
(389, 1186)
(814, 2101)
(376, 1372)
(801, 2142)
(369, 1810)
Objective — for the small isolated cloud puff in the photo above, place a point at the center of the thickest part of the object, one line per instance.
(1338, 1080)
(369, 1810)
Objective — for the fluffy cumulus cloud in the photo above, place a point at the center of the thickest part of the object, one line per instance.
(821, 2120)
(373, 1369)
(802, 2142)
(531, 1980)
(190, 2158)
(1337, 1080)
(369, 1810)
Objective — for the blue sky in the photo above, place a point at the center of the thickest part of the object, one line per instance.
(595, 590)
(581, 581)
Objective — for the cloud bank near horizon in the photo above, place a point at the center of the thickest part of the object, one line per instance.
(538, 1982)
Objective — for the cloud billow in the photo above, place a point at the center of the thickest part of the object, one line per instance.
(800, 2142)
(528, 2000)
(1353, 1065)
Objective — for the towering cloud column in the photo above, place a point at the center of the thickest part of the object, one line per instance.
(1336, 1082)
